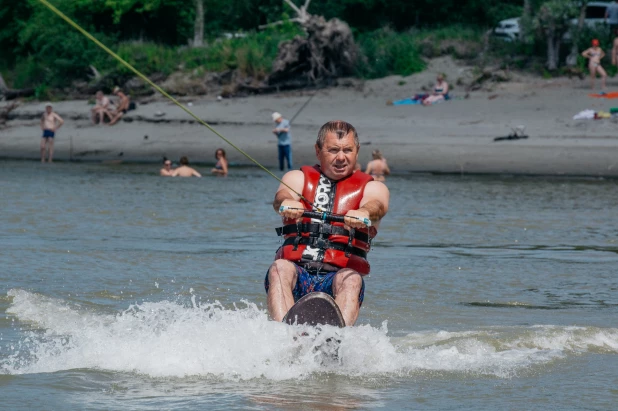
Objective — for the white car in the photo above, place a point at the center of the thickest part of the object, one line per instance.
(508, 30)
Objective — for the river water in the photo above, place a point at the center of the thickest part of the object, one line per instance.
(120, 289)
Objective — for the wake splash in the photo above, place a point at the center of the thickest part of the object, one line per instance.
(166, 339)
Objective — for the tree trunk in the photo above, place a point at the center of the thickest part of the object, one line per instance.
(527, 18)
(3, 86)
(198, 32)
(571, 60)
(552, 52)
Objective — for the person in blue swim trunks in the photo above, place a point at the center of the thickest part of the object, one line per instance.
(318, 256)
(50, 123)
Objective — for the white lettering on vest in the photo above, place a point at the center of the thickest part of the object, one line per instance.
(322, 200)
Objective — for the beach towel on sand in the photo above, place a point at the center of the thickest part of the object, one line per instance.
(417, 99)
(613, 94)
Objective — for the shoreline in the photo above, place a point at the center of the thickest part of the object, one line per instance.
(453, 137)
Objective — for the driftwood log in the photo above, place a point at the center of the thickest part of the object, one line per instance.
(327, 52)
(4, 112)
(11, 94)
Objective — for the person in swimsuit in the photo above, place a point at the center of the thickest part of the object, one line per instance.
(440, 91)
(101, 109)
(166, 171)
(594, 55)
(50, 122)
(184, 170)
(221, 166)
(377, 168)
(121, 108)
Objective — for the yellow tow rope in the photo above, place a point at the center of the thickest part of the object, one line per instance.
(163, 92)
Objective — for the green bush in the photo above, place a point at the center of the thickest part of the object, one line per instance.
(386, 52)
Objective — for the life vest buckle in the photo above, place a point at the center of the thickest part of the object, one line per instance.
(348, 249)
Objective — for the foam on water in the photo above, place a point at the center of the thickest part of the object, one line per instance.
(162, 339)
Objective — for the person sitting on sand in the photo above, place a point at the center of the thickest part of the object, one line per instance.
(594, 55)
(440, 91)
(101, 109)
(377, 168)
(184, 170)
(221, 166)
(166, 171)
(121, 107)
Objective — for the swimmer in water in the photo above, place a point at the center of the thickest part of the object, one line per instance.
(184, 170)
(378, 168)
(221, 166)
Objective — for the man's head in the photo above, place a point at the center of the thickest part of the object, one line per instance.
(116, 90)
(337, 149)
(376, 155)
(167, 163)
(48, 108)
(277, 117)
(184, 161)
(595, 43)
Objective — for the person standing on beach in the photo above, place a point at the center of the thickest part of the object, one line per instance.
(184, 170)
(377, 168)
(284, 142)
(50, 123)
(594, 55)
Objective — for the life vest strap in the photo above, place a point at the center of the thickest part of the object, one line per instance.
(321, 229)
(321, 243)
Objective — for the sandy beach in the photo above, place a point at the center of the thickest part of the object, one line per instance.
(452, 137)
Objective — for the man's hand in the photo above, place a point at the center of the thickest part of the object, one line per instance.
(295, 211)
(354, 218)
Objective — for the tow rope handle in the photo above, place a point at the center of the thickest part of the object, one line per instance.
(326, 216)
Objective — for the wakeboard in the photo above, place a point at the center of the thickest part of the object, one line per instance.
(315, 309)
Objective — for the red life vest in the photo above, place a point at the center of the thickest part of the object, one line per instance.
(329, 243)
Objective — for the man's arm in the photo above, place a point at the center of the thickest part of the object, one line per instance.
(60, 121)
(374, 205)
(196, 174)
(43, 122)
(287, 194)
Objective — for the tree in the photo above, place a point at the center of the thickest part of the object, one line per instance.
(198, 32)
(552, 22)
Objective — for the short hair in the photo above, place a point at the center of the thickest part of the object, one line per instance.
(184, 160)
(340, 128)
(221, 150)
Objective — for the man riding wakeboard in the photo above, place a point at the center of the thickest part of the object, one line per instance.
(320, 256)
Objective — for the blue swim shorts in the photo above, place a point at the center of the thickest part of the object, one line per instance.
(48, 134)
(308, 283)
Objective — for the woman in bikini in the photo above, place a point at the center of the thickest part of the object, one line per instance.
(377, 168)
(594, 55)
(221, 166)
(440, 90)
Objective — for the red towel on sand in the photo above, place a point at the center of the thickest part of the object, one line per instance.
(613, 94)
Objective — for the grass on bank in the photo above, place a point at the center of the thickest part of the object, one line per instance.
(383, 52)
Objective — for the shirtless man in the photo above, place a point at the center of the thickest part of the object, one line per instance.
(50, 122)
(184, 170)
(101, 109)
(595, 54)
(377, 168)
(121, 108)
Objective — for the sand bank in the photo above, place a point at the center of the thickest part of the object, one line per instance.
(456, 136)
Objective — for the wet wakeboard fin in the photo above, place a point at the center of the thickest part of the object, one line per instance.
(314, 309)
